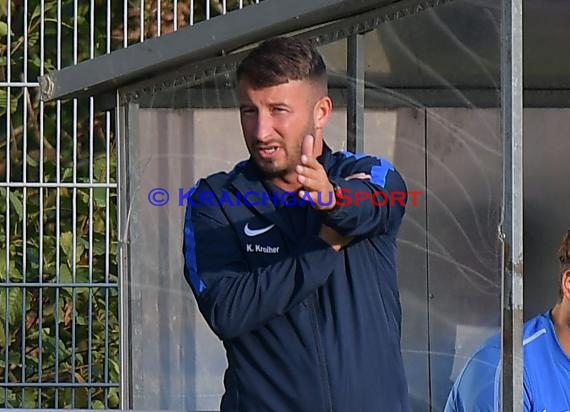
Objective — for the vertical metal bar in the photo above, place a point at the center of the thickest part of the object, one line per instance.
(7, 231)
(8, 211)
(109, 23)
(8, 66)
(175, 7)
(57, 202)
(123, 295)
(207, 9)
(24, 230)
(25, 106)
(74, 217)
(355, 93)
(90, 309)
(25, 28)
(224, 6)
(24, 191)
(107, 244)
(125, 116)
(512, 217)
(8, 281)
(241, 4)
(8, 145)
(108, 179)
(142, 20)
(107, 229)
(74, 253)
(91, 121)
(41, 195)
(191, 12)
(75, 5)
(125, 23)
(123, 391)
(6, 323)
(8, 179)
(158, 18)
(92, 29)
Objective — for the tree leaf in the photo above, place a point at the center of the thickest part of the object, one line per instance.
(33, 38)
(30, 398)
(4, 102)
(100, 169)
(15, 274)
(16, 204)
(99, 195)
(4, 29)
(98, 247)
(47, 7)
(2, 337)
(3, 271)
(15, 298)
(30, 160)
(66, 243)
(114, 397)
(67, 173)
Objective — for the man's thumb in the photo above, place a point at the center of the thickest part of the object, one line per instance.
(308, 143)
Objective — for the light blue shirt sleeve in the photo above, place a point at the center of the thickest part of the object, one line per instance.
(546, 376)
(527, 395)
(477, 387)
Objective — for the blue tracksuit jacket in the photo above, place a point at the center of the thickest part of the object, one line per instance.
(305, 328)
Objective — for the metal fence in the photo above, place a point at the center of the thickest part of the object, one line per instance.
(60, 323)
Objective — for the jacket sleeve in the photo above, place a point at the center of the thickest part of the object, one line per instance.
(370, 206)
(233, 298)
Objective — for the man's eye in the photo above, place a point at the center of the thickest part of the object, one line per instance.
(247, 111)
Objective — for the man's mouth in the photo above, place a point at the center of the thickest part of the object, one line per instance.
(268, 152)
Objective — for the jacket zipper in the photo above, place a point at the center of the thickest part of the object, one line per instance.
(322, 361)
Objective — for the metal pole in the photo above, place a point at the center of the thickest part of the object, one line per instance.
(355, 93)
(126, 121)
(512, 225)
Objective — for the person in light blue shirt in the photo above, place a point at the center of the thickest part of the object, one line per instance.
(546, 349)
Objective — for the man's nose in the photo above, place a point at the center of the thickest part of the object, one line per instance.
(263, 127)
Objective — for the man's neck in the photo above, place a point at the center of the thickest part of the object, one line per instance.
(561, 320)
(287, 183)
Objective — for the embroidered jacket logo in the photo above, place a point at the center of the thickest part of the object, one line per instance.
(256, 232)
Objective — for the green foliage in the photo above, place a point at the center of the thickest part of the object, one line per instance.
(59, 235)
(56, 334)
(61, 334)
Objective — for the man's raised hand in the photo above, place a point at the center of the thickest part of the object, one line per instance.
(313, 177)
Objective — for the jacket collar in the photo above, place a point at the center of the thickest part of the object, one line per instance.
(248, 179)
(326, 157)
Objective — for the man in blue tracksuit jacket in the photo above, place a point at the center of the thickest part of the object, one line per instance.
(292, 255)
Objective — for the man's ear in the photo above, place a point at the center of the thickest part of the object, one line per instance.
(322, 112)
(565, 285)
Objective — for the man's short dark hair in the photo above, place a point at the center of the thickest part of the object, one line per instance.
(279, 60)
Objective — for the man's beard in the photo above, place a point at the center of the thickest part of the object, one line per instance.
(292, 159)
(272, 171)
